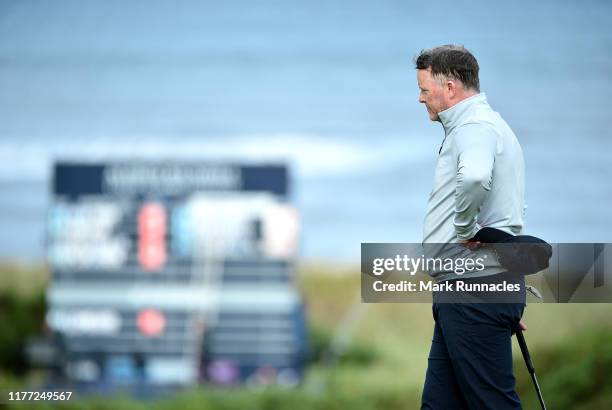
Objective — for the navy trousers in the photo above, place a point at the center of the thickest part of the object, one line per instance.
(470, 361)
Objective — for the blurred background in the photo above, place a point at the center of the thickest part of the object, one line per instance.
(328, 90)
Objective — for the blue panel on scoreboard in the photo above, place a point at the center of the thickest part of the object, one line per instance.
(166, 178)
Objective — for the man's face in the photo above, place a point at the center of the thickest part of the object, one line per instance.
(432, 94)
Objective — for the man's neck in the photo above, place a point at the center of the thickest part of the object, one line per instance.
(460, 96)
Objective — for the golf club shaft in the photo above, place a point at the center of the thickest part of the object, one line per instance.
(538, 391)
(523, 345)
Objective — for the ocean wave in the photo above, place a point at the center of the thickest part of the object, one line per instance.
(309, 156)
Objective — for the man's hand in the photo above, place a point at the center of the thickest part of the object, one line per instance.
(471, 245)
(522, 326)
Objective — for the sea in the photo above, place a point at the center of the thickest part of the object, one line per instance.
(326, 86)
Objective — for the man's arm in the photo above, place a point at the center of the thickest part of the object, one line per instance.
(475, 146)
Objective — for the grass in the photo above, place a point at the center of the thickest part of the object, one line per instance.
(22, 279)
(386, 359)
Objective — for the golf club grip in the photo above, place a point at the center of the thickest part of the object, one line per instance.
(524, 350)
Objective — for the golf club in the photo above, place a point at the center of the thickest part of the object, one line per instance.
(523, 345)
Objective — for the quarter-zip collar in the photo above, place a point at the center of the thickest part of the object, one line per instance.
(458, 113)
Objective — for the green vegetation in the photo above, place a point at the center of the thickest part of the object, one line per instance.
(575, 374)
(20, 319)
(383, 366)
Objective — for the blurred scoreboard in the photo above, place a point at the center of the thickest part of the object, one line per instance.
(172, 274)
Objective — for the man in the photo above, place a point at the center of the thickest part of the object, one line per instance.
(479, 181)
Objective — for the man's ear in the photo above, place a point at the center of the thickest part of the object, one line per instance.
(451, 89)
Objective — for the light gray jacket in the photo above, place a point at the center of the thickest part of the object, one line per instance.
(479, 179)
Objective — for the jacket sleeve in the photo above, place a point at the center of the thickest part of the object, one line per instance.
(475, 147)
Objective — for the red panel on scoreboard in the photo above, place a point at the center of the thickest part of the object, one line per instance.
(151, 322)
(152, 236)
